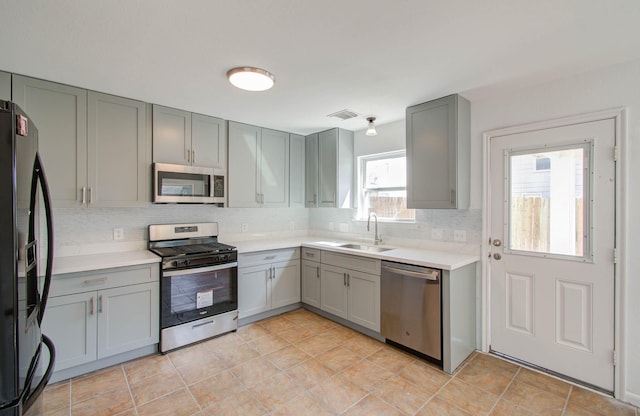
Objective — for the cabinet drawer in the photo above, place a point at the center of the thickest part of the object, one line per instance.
(310, 254)
(65, 284)
(363, 264)
(269, 256)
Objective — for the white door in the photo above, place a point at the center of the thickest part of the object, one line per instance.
(552, 223)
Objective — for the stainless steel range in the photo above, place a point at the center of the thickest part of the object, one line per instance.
(198, 283)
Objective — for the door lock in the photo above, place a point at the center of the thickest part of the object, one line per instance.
(497, 256)
(497, 243)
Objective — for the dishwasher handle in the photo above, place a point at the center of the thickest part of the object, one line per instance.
(428, 274)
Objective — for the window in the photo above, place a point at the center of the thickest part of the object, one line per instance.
(382, 186)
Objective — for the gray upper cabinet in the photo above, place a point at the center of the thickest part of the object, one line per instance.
(311, 171)
(296, 170)
(438, 146)
(60, 114)
(5, 86)
(335, 168)
(184, 138)
(118, 151)
(259, 167)
(94, 146)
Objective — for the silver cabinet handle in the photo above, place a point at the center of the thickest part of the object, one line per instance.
(315, 198)
(90, 195)
(95, 281)
(84, 195)
(453, 196)
(344, 279)
(348, 280)
(91, 306)
(262, 198)
(188, 154)
(318, 272)
(193, 157)
(100, 304)
(258, 198)
(273, 275)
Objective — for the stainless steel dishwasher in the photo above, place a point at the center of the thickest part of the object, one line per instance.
(410, 308)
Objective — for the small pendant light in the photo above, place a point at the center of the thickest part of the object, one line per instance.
(371, 130)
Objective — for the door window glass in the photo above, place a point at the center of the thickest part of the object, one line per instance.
(548, 201)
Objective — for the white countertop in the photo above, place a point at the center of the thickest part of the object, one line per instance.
(87, 262)
(440, 259)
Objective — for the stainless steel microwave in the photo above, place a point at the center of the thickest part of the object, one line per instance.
(183, 184)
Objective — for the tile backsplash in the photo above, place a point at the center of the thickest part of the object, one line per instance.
(90, 230)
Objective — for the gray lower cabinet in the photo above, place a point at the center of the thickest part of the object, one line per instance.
(94, 146)
(310, 276)
(91, 316)
(268, 280)
(438, 153)
(186, 138)
(5, 86)
(296, 171)
(350, 288)
(258, 167)
(330, 172)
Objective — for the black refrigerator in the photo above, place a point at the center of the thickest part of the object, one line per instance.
(26, 259)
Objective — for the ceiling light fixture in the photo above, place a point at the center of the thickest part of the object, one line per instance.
(371, 130)
(251, 79)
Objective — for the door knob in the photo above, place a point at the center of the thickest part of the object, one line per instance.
(497, 256)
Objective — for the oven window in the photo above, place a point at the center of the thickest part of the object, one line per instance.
(183, 184)
(186, 297)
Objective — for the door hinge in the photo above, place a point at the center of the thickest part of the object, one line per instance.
(616, 153)
(615, 256)
(615, 358)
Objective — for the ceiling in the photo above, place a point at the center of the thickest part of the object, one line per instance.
(374, 57)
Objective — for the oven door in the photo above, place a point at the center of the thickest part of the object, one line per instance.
(191, 294)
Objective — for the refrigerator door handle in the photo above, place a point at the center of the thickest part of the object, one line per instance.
(36, 391)
(39, 176)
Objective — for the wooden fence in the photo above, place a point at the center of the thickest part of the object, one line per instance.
(530, 225)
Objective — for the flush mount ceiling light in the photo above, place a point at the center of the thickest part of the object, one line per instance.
(371, 130)
(251, 79)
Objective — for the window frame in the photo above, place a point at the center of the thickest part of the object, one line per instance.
(362, 208)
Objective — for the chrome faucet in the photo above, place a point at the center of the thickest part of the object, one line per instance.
(377, 239)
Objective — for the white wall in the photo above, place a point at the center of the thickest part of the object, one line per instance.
(392, 136)
(604, 89)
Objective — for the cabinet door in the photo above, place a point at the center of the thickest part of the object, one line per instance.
(438, 153)
(171, 135)
(208, 141)
(285, 284)
(128, 318)
(311, 283)
(5, 86)
(71, 323)
(254, 290)
(364, 299)
(311, 171)
(274, 168)
(334, 290)
(117, 151)
(60, 114)
(328, 168)
(244, 143)
(296, 170)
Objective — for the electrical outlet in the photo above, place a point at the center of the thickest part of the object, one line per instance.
(437, 234)
(460, 235)
(292, 225)
(243, 227)
(118, 233)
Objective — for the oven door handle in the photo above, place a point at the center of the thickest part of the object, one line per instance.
(170, 273)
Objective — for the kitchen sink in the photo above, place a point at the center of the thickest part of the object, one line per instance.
(363, 247)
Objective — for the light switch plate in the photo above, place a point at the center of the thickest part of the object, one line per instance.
(118, 233)
(437, 234)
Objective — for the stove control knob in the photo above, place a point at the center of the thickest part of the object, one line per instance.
(224, 257)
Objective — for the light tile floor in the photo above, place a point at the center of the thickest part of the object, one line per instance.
(299, 363)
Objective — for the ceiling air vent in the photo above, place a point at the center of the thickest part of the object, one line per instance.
(344, 114)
